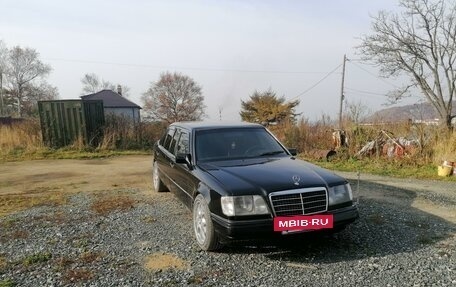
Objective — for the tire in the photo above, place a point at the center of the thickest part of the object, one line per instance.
(203, 227)
(157, 182)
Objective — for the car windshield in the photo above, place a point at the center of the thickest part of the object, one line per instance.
(235, 143)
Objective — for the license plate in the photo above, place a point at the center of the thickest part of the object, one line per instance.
(303, 222)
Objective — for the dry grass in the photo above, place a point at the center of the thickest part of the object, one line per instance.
(314, 140)
(104, 205)
(19, 234)
(57, 217)
(23, 135)
(120, 133)
(67, 265)
(163, 261)
(3, 263)
(19, 138)
(64, 262)
(23, 140)
(445, 149)
(12, 203)
(149, 219)
(89, 257)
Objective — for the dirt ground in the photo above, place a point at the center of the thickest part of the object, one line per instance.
(118, 191)
(41, 177)
(30, 183)
(75, 175)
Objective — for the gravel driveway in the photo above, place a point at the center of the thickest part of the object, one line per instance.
(132, 236)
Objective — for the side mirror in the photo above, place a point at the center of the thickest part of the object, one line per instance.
(184, 158)
(293, 151)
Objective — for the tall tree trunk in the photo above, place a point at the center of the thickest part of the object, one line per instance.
(448, 124)
(19, 92)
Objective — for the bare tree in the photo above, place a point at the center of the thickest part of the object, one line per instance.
(265, 108)
(37, 92)
(92, 83)
(419, 42)
(175, 97)
(356, 111)
(3, 58)
(23, 67)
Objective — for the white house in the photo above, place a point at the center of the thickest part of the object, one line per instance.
(115, 104)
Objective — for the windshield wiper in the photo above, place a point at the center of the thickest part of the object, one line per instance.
(272, 152)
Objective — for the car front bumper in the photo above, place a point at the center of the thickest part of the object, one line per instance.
(229, 230)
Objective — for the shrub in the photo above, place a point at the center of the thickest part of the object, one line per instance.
(444, 148)
(120, 133)
(21, 137)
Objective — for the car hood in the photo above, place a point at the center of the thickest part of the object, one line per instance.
(266, 175)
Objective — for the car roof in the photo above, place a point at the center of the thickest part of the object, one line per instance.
(215, 125)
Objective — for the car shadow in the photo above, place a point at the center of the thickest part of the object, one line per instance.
(388, 224)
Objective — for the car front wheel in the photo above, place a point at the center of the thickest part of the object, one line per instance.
(158, 184)
(203, 227)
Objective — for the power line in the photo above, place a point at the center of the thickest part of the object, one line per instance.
(363, 96)
(317, 83)
(181, 68)
(374, 75)
(365, 92)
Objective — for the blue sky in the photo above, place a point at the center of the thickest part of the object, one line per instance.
(230, 48)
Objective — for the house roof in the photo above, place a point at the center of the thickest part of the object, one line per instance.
(111, 99)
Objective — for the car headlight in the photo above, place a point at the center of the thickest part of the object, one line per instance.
(340, 194)
(244, 205)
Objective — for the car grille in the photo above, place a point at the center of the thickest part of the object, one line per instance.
(299, 202)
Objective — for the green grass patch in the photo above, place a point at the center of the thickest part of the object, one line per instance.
(12, 203)
(65, 153)
(401, 168)
(7, 283)
(37, 258)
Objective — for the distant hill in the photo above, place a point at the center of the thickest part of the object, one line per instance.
(416, 112)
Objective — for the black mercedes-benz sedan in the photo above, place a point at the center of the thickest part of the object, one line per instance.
(242, 184)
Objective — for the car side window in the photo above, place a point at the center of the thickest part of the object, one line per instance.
(163, 137)
(183, 144)
(169, 137)
(172, 146)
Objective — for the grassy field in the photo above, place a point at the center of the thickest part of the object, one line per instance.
(394, 168)
(23, 142)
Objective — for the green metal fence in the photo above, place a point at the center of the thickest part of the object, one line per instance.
(64, 122)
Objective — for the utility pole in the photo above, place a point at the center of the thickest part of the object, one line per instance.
(342, 92)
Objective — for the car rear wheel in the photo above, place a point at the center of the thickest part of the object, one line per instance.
(203, 227)
(158, 184)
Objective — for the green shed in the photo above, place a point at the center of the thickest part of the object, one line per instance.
(65, 121)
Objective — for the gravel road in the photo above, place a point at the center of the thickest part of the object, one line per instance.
(132, 236)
